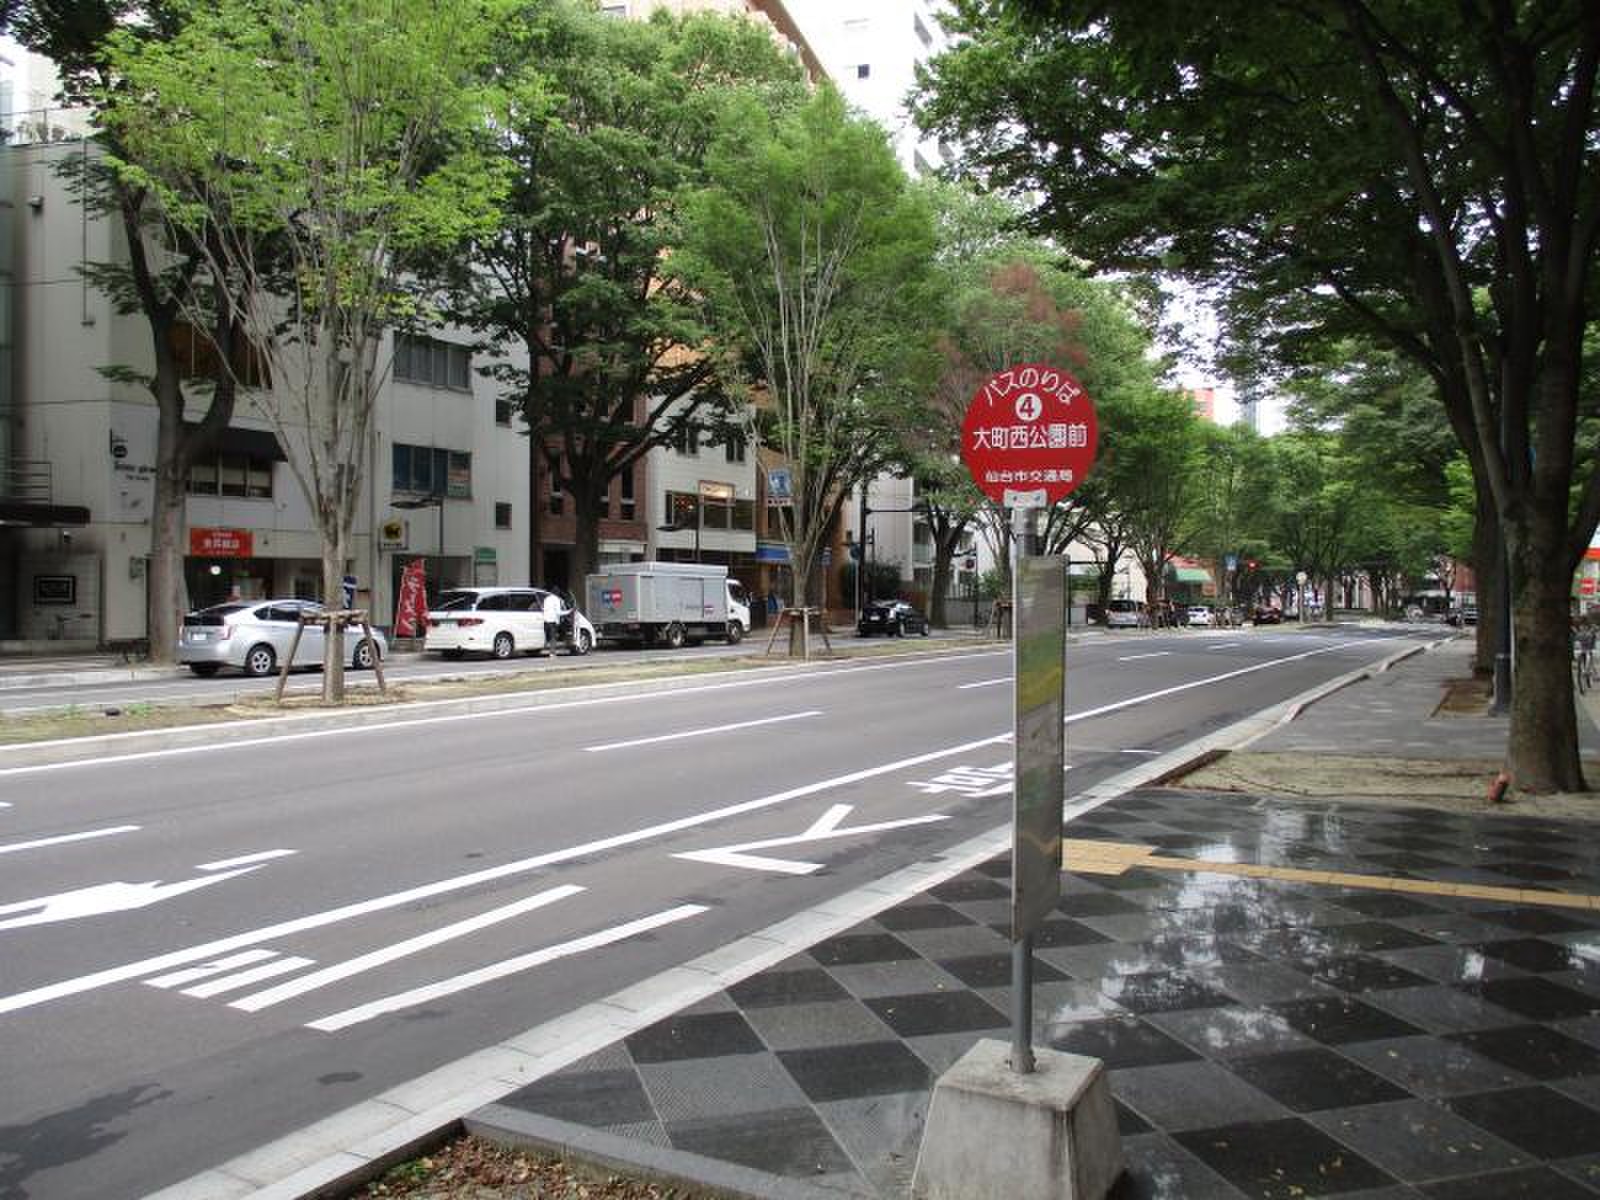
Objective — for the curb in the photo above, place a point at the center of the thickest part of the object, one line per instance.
(338, 1154)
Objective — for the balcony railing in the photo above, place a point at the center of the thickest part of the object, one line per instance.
(27, 480)
(43, 126)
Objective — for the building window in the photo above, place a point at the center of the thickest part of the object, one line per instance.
(735, 448)
(923, 166)
(502, 514)
(626, 508)
(430, 471)
(197, 358)
(863, 70)
(687, 440)
(556, 505)
(614, 10)
(432, 363)
(744, 515)
(503, 410)
(231, 475)
(923, 35)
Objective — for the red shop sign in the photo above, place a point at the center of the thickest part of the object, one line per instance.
(1029, 436)
(221, 543)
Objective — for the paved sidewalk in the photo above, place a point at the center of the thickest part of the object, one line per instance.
(1410, 1007)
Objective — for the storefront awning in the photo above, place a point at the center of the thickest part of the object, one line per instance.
(1191, 575)
(41, 516)
(252, 443)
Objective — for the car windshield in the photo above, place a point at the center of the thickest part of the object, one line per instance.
(456, 601)
(1122, 606)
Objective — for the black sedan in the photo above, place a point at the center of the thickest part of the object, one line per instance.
(893, 617)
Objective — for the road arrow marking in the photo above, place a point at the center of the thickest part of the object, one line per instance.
(825, 827)
(107, 898)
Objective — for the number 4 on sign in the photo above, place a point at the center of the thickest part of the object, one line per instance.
(827, 826)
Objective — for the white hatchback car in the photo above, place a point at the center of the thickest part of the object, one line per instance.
(1201, 617)
(505, 621)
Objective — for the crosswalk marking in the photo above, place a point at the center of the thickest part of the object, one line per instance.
(231, 983)
(206, 970)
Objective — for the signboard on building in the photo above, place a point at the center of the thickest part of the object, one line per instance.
(1029, 436)
(222, 543)
(780, 486)
(393, 534)
(411, 609)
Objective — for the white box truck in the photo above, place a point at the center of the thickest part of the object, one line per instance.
(666, 602)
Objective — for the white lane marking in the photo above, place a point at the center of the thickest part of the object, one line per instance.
(984, 683)
(1224, 645)
(1138, 752)
(232, 983)
(825, 827)
(689, 733)
(1152, 654)
(523, 710)
(224, 864)
(388, 954)
(499, 970)
(63, 839)
(105, 898)
(177, 958)
(206, 970)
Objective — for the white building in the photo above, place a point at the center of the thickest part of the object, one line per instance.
(447, 472)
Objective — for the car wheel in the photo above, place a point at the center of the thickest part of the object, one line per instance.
(504, 646)
(583, 643)
(260, 660)
(674, 636)
(735, 633)
(366, 654)
(205, 670)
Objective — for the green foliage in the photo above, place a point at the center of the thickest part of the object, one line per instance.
(813, 254)
(608, 123)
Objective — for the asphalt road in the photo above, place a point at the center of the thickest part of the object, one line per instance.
(180, 686)
(204, 951)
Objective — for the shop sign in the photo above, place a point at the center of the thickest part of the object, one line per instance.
(392, 534)
(484, 554)
(222, 543)
(780, 486)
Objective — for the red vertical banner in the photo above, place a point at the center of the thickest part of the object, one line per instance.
(411, 609)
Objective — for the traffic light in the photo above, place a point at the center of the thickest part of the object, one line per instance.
(1251, 564)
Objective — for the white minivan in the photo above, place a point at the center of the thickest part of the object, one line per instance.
(504, 621)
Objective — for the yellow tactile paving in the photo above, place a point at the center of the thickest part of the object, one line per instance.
(1113, 858)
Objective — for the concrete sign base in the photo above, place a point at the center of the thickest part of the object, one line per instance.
(992, 1132)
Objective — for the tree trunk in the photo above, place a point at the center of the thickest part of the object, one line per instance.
(1542, 751)
(333, 598)
(587, 509)
(167, 597)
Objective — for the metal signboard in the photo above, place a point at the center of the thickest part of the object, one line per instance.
(1029, 436)
(1041, 611)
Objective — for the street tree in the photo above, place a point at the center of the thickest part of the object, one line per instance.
(161, 279)
(814, 253)
(338, 132)
(1425, 173)
(603, 346)
(1151, 464)
(1230, 497)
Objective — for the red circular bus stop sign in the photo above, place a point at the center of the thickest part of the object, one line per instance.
(1029, 436)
